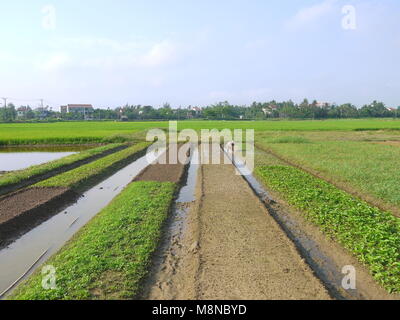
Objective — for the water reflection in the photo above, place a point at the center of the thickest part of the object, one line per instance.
(17, 158)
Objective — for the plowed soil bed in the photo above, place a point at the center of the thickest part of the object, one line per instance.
(21, 211)
(164, 172)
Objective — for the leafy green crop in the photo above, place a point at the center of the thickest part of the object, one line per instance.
(370, 168)
(78, 177)
(109, 256)
(369, 233)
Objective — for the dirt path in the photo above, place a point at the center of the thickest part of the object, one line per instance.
(232, 249)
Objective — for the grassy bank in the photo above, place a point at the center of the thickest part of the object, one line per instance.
(81, 176)
(372, 235)
(17, 177)
(108, 258)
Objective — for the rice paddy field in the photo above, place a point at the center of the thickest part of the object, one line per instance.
(336, 181)
(83, 132)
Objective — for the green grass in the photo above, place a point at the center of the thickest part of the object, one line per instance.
(369, 168)
(84, 132)
(109, 257)
(372, 235)
(16, 177)
(70, 132)
(79, 177)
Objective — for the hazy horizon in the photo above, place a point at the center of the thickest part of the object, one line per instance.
(109, 53)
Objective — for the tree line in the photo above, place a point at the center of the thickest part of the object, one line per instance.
(218, 111)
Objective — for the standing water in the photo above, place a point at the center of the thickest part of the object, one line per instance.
(18, 158)
(24, 255)
(168, 255)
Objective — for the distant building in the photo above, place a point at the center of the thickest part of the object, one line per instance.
(196, 109)
(193, 111)
(22, 111)
(267, 111)
(392, 109)
(77, 108)
(322, 104)
(270, 109)
(85, 109)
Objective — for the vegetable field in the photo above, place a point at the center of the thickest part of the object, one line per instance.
(331, 185)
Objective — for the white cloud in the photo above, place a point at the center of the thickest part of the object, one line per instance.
(161, 53)
(156, 56)
(308, 15)
(96, 43)
(55, 62)
(110, 54)
(49, 18)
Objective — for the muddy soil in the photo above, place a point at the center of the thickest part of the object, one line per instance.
(162, 173)
(232, 249)
(23, 210)
(165, 172)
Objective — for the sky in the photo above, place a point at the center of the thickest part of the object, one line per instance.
(185, 52)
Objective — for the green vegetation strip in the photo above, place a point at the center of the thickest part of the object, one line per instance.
(109, 257)
(371, 234)
(16, 177)
(371, 169)
(110, 131)
(78, 177)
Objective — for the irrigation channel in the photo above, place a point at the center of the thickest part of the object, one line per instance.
(30, 251)
(168, 255)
